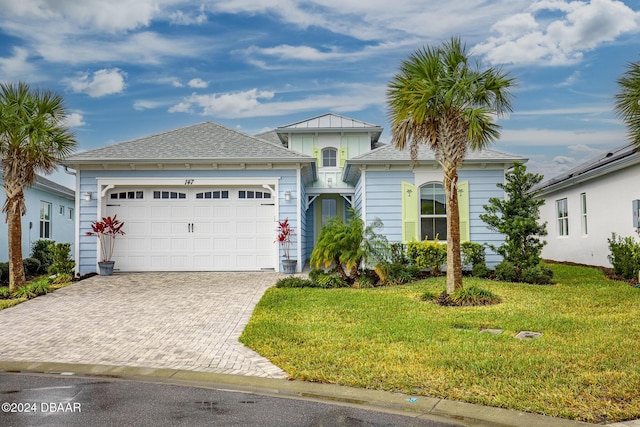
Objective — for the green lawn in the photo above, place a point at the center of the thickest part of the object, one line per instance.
(586, 366)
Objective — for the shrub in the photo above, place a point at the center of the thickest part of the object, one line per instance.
(363, 282)
(62, 263)
(41, 250)
(538, 275)
(5, 293)
(398, 253)
(506, 271)
(31, 266)
(624, 255)
(481, 271)
(428, 296)
(395, 273)
(294, 282)
(4, 271)
(428, 254)
(472, 253)
(62, 278)
(40, 287)
(315, 273)
(330, 281)
(474, 296)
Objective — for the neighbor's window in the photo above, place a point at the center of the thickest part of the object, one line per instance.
(563, 217)
(61, 210)
(329, 157)
(433, 212)
(583, 210)
(45, 220)
(70, 213)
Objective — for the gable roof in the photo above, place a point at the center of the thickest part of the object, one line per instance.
(206, 142)
(47, 185)
(327, 123)
(607, 162)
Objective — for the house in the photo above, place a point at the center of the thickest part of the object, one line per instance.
(206, 197)
(585, 205)
(50, 215)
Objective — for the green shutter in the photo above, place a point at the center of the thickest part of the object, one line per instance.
(315, 152)
(463, 208)
(343, 156)
(410, 209)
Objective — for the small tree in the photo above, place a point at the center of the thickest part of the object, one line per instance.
(348, 244)
(517, 218)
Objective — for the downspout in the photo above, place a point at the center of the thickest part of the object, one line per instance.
(76, 222)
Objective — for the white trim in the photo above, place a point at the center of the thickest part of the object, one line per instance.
(76, 226)
(186, 181)
(363, 190)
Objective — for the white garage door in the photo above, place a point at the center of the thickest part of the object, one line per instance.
(194, 229)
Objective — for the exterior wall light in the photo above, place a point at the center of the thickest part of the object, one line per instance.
(287, 195)
(330, 182)
(87, 196)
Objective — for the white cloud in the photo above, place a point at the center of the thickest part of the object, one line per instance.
(559, 138)
(189, 18)
(143, 104)
(74, 120)
(198, 83)
(223, 105)
(571, 80)
(527, 38)
(101, 83)
(17, 66)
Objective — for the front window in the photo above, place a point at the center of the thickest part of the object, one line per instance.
(329, 156)
(563, 217)
(45, 220)
(433, 212)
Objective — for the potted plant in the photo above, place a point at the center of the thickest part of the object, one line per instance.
(106, 230)
(284, 239)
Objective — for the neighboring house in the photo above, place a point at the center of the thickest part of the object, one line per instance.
(206, 197)
(585, 205)
(50, 215)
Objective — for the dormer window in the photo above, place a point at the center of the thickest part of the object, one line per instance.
(329, 157)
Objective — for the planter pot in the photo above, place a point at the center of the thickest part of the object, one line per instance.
(106, 267)
(289, 265)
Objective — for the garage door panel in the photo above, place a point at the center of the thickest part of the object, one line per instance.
(189, 233)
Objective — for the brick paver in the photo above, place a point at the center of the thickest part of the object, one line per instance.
(188, 321)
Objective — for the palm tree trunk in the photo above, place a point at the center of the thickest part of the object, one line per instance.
(454, 261)
(14, 228)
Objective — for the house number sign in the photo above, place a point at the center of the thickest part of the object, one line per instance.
(188, 181)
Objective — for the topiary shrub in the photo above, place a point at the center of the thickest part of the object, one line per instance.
(538, 275)
(31, 266)
(294, 282)
(430, 255)
(506, 271)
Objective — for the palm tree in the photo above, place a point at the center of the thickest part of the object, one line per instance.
(438, 99)
(628, 101)
(33, 139)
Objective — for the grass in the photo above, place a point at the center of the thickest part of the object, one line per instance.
(585, 366)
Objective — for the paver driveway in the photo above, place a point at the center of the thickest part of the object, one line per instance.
(186, 321)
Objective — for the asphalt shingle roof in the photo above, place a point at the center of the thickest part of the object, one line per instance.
(390, 154)
(203, 142)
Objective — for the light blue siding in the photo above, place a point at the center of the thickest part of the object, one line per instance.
(89, 209)
(384, 200)
(62, 228)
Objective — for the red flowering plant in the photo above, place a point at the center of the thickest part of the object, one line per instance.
(284, 236)
(107, 230)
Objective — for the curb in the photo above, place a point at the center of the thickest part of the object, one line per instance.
(465, 414)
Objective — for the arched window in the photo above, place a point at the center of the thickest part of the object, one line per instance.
(329, 157)
(433, 212)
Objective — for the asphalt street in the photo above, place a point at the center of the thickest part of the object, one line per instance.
(47, 400)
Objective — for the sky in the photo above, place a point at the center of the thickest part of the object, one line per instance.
(132, 68)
